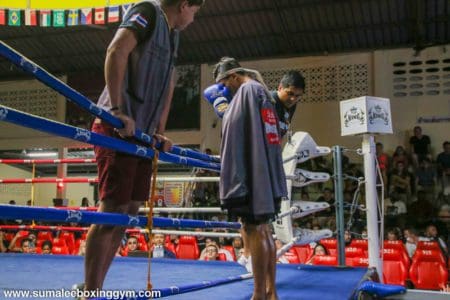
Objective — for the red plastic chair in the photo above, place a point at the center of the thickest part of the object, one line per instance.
(76, 247)
(427, 270)
(354, 252)
(361, 243)
(222, 257)
(231, 250)
(69, 238)
(329, 244)
(59, 242)
(58, 250)
(303, 253)
(359, 262)
(45, 235)
(327, 260)
(187, 248)
(292, 257)
(394, 269)
(424, 245)
(401, 247)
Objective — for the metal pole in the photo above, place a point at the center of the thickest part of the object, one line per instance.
(339, 201)
(368, 147)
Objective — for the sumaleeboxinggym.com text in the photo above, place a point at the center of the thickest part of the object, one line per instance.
(62, 293)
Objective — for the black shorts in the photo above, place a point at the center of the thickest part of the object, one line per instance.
(241, 208)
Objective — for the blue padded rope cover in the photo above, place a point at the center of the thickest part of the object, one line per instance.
(13, 212)
(379, 290)
(86, 136)
(45, 77)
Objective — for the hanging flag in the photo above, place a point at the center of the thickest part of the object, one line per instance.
(14, 17)
(30, 17)
(125, 8)
(45, 18)
(99, 17)
(113, 14)
(86, 16)
(72, 17)
(2, 17)
(59, 18)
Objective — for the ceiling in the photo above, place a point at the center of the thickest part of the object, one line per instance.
(251, 29)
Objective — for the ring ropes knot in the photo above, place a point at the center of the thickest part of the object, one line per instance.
(150, 214)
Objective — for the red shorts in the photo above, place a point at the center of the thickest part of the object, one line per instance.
(122, 177)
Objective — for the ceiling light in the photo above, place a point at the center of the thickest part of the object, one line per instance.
(43, 154)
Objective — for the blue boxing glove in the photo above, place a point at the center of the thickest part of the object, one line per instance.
(219, 96)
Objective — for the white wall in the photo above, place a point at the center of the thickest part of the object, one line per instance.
(44, 193)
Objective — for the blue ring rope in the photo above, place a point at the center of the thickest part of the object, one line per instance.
(176, 290)
(71, 94)
(13, 212)
(86, 136)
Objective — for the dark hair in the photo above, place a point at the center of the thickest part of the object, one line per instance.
(47, 243)
(294, 79)
(175, 2)
(224, 65)
(445, 143)
(321, 245)
(25, 240)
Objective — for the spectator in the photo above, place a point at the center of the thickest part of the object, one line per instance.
(348, 238)
(245, 260)
(420, 146)
(3, 247)
(17, 240)
(328, 197)
(400, 155)
(319, 250)
(223, 252)
(82, 249)
(383, 161)
(211, 252)
(158, 249)
(444, 192)
(84, 202)
(431, 234)
(132, 245)
(422, 209)
(201, 240)
(443, 159)
(397, 207)
(237, 245)
(400, 183)
(46, 247)
(426, 179)
(26, 246)
(412, 238)
(305, 196)
(393, 234)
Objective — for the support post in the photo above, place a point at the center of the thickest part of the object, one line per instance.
(339, 203)
(368, 147)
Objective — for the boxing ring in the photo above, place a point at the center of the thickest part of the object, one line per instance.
(216, 280)
(293, 281)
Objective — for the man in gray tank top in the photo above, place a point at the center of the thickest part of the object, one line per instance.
(252, 179)
(139, 75)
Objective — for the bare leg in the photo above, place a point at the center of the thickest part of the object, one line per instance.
(259, 251)
(271, 265)
(101, 246)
